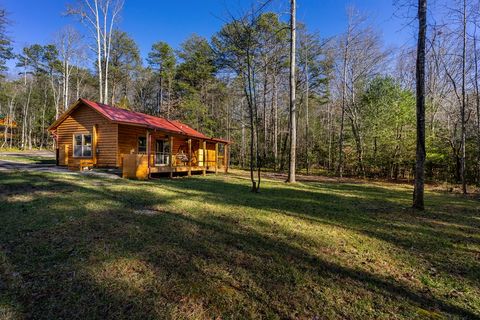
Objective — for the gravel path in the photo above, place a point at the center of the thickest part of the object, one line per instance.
(12, 164)
(7, 165)
(33, 153)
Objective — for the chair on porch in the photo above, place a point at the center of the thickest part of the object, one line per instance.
(182, 157)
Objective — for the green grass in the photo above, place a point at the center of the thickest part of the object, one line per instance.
(83, 247)
(30, 159)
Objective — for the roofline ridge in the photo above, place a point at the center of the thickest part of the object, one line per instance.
(132, 111)
(174, 123)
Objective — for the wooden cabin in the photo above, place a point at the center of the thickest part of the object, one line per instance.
(91, 134)
(8, 128)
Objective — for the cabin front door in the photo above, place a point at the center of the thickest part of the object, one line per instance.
(162, 152)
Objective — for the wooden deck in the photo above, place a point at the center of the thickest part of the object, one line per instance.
(161, 169)
(141, 166)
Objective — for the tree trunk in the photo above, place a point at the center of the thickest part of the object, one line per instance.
(77, 87)
(169, 102)
(45, 97)
(106, 49)
(67, 87)
(344, 106)
(330, 136)
(99, 52)
(293, 111)
(418, 194)
(307, 120)
(160, 98)
(275, 121)
(463, 107)
(243, 146)
(265, 122)
(30, 130)
(25, 122)
(477, 103)
(359, 146)
(251, 100)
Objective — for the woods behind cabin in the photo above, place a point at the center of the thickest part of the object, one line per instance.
(355, 95)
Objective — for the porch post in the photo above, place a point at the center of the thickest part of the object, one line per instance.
(153, 155)
(66, 154)
(216, 157)
(205, 158)
(171, 156)
(189, 157)
(225, 157)
(149, 151)
(95, 139)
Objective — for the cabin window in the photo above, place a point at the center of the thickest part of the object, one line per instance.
(142, 144)
(82, 145)
(221, 149)
(162, 152)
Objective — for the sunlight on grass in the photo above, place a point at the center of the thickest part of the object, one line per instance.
(28, 159)
(8, 312)
(127, 276)
(206, 247)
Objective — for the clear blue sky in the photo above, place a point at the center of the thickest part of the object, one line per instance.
(148, 21)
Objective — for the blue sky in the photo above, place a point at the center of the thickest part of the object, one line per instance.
(148, 21)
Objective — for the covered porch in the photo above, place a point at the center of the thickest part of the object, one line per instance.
(160, 152)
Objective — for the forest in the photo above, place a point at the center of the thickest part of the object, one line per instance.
(355, 96)
(318, 139)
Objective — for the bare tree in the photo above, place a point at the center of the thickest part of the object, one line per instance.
(464, 101)
(351, 36)
(68, 44)
(455, 68)
(100, 17)
(346, 52)
(307, 116)
(418, 194)
(361, 58)
(477, 100)
(236, 46)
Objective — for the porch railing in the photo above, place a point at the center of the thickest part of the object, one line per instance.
(161, 158)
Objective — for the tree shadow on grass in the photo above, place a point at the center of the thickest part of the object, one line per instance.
(440, 235)
(85, 261)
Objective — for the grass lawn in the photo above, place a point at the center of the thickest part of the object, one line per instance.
(76, 247)
(30, 159)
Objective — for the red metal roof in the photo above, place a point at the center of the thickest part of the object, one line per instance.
(130, 117)
(186, 129)
(194, 133)
(123, 116)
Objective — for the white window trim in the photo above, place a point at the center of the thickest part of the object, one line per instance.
(83, 145)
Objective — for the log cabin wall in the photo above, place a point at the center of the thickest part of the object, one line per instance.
(128, 140)
(180, 144)
(210, 154)
(82, 120)
(196, 160)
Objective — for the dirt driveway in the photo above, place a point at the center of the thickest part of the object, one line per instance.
(38, 160)
(44, 161)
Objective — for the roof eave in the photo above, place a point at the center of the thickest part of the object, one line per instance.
(71, 109)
